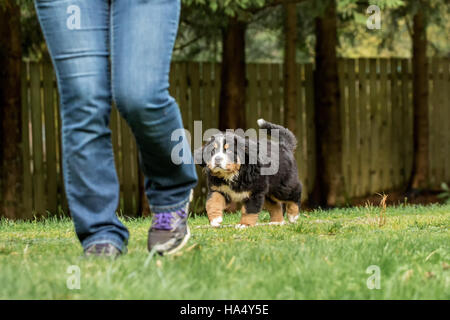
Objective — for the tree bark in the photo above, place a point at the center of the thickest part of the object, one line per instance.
(419, 176)
(290, 81)
(11, 169)
(329, 184)
(232, 91)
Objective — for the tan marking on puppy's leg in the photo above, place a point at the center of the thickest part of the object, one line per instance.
(247, 219)
(214, 208)
(292, 211)
(275, 210)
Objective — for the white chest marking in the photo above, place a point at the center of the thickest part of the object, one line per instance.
(234, 196)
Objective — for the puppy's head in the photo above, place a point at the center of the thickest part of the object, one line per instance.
(223, 155)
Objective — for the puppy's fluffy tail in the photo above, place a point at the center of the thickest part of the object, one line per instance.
(285, 135)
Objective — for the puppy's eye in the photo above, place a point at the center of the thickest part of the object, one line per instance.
(226, 146)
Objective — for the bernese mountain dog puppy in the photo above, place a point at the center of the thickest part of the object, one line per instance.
(234, 166)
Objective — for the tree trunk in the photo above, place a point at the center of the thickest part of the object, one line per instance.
(11, 169)
(329, 184)
(232, 91)
(290, 81)
(419, 176)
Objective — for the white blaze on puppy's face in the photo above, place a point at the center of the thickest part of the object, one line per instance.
(224, 163)
(219, 158)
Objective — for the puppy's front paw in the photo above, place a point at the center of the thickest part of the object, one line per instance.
(216, 222)
(293, 219)
(241, 226)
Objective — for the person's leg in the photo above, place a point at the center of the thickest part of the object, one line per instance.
(77, 35)
(143, 35)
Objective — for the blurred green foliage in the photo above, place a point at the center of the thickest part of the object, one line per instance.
(202, 23)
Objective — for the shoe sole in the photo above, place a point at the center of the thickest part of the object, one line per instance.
(181, 245)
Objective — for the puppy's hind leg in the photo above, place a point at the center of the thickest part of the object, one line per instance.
(293, 206)
(215, 204)
(292, 209)
(275, 209)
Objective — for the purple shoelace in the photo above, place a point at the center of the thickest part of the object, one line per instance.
(163, 220)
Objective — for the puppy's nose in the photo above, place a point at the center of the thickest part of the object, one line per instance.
(218, 160)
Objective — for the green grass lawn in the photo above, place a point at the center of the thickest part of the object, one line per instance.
(324, 256)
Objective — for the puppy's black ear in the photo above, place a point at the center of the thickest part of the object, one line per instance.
(247, 150)
(203, 155)
(198, 157)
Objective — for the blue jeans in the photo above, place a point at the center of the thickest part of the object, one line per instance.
(105, 51)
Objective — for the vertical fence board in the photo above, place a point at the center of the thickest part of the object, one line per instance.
(374, 126)
(252, 99)
(27, 178)
(207, 96)
(184, 95)
(358, 110)
(197, 110)
(277, 105)
(378, 118)
(410, 121)
(352, 129)
(114, 124)
(384, 150)
(208, 121)
(403, 119)
(311, 136)
(127, 162)
(441, 102)
(442, 123)
(38, 164)
(137, 191)
(434, 122)
(217, 84)
(343, 84)
(364, 114)
(301, 151)
(446, 97)
(264, 90)
(397, 113)
(172, 81)
(64, 205)
(400, 125)
(50, 141)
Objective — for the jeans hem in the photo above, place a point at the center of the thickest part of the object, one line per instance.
(173, 207)
(115, 241)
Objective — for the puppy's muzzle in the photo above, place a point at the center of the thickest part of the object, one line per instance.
(217, 161)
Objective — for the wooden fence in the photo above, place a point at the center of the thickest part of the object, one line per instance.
(376, 99)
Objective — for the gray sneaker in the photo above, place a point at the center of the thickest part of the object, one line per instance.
(169, 231)
(102, 250)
